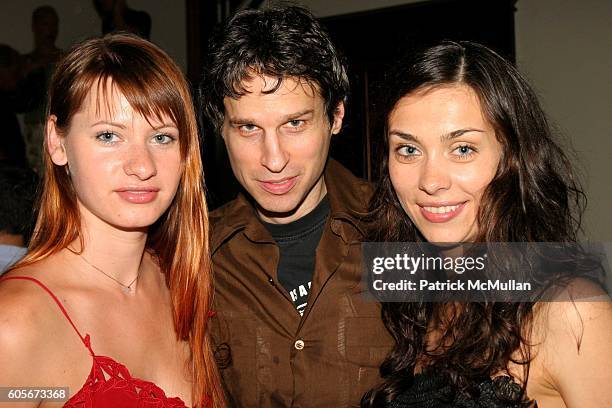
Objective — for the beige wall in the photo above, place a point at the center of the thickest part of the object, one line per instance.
(565, 48)
(169, 29)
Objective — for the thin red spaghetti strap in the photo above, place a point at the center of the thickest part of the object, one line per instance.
(85, 339)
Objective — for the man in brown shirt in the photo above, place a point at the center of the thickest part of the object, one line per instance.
(293, 327)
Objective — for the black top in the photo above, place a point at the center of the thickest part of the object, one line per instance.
(431, 390)
(297, 242)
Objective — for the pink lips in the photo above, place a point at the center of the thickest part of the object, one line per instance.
(443, 211)
(138, 195)
(280, 186)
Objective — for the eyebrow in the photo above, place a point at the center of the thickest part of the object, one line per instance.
(122, 126)
(165, 125)
(445, 137)
(403, 135)
(456, 133)
(104, 122)
(286, 118)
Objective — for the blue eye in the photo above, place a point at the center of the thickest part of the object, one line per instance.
(464, 151)
(295, 123)
(406, 153)
(407, 150)
(107, 137)
(163, 139)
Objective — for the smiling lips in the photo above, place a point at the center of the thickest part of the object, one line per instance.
(278, 187)
(138, 195)
(441, 212)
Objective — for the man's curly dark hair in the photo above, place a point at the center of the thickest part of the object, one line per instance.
(279, 42)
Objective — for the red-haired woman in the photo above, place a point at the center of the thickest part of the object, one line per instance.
(113, 297)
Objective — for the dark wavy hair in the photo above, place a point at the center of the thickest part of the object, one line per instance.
(533, 197)
(280, 42)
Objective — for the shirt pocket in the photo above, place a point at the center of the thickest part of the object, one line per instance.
(367, 343)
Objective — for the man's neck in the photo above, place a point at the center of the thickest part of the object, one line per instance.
(45, 51)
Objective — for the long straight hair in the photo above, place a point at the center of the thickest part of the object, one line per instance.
(154, 86)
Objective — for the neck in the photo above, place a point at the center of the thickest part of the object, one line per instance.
(452, 251)
(119, 253)
(44, 49)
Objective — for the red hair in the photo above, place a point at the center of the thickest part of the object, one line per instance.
(154, 86)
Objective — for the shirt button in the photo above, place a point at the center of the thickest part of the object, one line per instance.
(299, 344)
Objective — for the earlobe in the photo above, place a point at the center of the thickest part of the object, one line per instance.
(338, 117)
(54, 142)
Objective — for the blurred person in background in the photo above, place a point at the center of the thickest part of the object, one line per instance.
(12, 147)
(17, 191)
(37, 68)
(117, 16)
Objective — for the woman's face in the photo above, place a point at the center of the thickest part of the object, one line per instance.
(125, 168)
(443, 153)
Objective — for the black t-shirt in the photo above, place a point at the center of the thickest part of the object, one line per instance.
(297, 242)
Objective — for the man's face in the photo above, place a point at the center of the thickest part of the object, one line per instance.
(278, 144)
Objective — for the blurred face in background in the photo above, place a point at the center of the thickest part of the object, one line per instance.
(45, 26)
(443, 153)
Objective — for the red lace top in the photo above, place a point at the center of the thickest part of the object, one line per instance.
(109, 383)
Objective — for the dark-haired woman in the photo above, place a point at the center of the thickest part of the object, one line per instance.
(109, 307)
(470, 158)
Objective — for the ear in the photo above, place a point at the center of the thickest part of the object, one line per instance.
(55, 142)
(338, 116)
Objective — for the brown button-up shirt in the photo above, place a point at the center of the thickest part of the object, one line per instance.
(330, 356)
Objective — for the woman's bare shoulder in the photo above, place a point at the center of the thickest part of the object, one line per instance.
(27, 314)
(572, 338)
